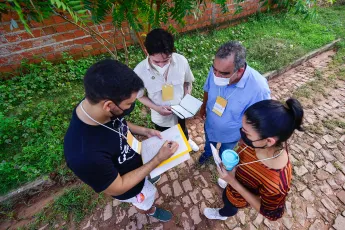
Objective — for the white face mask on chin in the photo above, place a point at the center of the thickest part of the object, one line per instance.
(220, 81)
(161, 70)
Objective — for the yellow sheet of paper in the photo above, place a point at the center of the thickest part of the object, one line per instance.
(167, 92)
(133, 142)
(219, 106)
(182, 153)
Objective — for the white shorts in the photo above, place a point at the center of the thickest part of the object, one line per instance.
(145, 199)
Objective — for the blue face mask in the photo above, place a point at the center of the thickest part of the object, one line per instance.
(249, 142)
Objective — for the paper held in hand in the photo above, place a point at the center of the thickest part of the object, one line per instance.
(151, 146)
(215, 154)
(187, 108)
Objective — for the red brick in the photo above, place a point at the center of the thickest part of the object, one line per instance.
(12, 37)
(70, 26)
(58, 56)
(109, 26)
(78, 55)
(88, 40)
(50, 56)
(76, 49)
(97, 45)
(6, 69)
(37, 52)
(25, 45)
(37, 33)
(48, 21)
(58, 19)
(79, 33)
(34, 24)
(59, 37)
(47, 49)
(69, 43)
(60, 28)
(79, 41)
(49, 30)
(95, 52)
(24, 35)
(15, 58)
(27, 54)
(36, 60)
(3, 60)
(87, 47)
(69, 35)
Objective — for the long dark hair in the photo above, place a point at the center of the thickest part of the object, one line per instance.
(270, 118)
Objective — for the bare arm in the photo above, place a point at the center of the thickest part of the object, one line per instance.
(205, 99)
(230, 178)
(203, 106)
(162, 110)
(188, 86)
(135, 129)
(252, 199)
(125, 182)
(147, 101)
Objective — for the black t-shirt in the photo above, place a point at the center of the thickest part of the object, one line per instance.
(97, 155)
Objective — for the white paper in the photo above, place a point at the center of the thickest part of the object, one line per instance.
(151, 146)
(216, 157)
(191, 104)
(158, 171)
(181, 112)
(188, 107)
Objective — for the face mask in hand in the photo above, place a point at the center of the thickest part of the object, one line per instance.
(220, 81)
(161, 70)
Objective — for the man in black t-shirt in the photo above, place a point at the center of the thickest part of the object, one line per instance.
(96, 147)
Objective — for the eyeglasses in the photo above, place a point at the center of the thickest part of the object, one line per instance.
(221, 73)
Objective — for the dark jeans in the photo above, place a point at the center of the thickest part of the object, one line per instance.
(182, 123)
(229, 209)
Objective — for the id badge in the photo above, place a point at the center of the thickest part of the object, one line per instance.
(167, 92)
(133, 142)
(219, 106)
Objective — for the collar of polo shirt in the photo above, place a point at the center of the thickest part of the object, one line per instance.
(244, 78)
(172, 61)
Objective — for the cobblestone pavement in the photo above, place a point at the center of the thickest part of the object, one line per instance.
(317, 196)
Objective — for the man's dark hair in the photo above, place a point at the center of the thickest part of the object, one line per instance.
(233, 48)
(110, 80)
(159, 41)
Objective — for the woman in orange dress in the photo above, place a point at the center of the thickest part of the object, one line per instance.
(263, 176)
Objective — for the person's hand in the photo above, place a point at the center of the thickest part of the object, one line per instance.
(153, 133)
(167, 150)
(228, 176)
(164, 110)
(202, 112)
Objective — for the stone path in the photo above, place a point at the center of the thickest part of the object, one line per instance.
(317, 197)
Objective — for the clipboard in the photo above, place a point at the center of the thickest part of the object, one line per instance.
(151, 146)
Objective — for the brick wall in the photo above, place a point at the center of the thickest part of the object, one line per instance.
(55, 35)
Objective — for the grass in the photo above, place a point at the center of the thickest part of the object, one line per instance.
(318, 85)
(71, 207)
(36, 105)
(333, 123)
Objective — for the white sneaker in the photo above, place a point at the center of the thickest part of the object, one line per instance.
(194, 146)
(213, 214)
(222, 183)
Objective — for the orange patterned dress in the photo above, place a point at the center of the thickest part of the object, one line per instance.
(271, 185)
